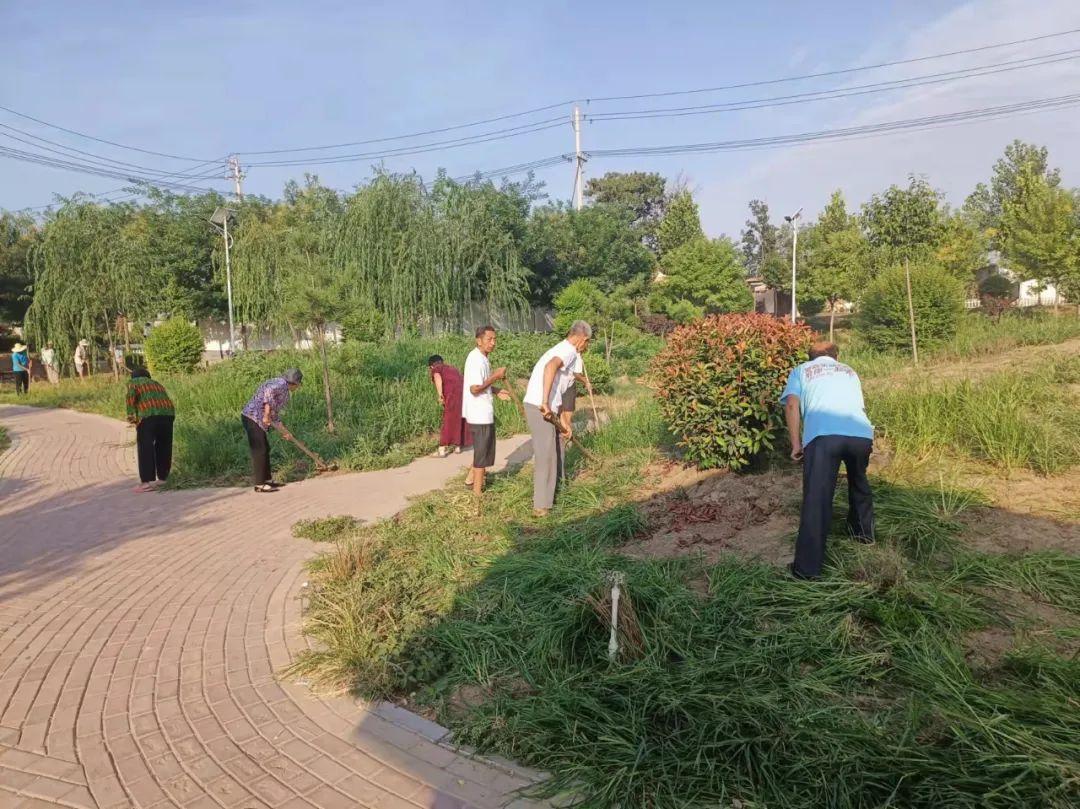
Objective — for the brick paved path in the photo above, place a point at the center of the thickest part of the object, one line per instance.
(140, 636)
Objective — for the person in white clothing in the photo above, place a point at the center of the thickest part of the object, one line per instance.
(52, 367)
(82, 359)
(552, 376)
(478, 404)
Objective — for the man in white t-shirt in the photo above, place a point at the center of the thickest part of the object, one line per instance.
(553, 374)
(478, 404)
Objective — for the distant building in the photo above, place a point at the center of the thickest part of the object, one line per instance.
(1027, 291)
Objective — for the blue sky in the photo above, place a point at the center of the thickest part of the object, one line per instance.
(207, 79)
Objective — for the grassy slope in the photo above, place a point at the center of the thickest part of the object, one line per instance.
(850, 692)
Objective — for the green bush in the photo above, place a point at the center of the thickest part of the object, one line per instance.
(174, 347)
(579, 301)
(937, 298)
(718, 382)
(599, 373)
(364, 324)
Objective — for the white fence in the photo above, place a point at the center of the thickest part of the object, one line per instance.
(1022, 302)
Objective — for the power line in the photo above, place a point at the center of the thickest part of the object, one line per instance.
(887, 127)
(844, 92)
(422, 148)
(839, 72)
(85, 168)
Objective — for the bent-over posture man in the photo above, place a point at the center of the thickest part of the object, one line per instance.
(261, 413)
(478, 405)
(826, 396)
(554, 373)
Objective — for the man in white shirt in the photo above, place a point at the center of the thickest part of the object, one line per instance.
(478, 404)
(553, 374)
(52, 368)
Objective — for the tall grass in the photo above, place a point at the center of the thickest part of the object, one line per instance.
(978, 336)
(852, 691)
(385, 408)
(1027, 420)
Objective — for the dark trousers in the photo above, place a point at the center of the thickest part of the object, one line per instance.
(259, 442)
(821, 465)
(153, 439)
(22, 382)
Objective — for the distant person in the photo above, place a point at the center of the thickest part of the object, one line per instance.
(118, 358)
(824, 398)
(478, 405)
(21, 366)
(552, 376)
(261, 413)
(455, 434)
(52, 367)
(152, 412)
(82, 359)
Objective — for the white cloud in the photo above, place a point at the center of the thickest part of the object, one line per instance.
(954, 158)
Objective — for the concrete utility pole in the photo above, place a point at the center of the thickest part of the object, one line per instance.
(579, 160)
(236, 176)
(220, 220)
(794, 220)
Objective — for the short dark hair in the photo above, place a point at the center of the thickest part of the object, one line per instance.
(434, 359)
(482, 330)
(823, 348)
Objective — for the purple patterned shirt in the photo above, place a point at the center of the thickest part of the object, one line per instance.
(272, 391)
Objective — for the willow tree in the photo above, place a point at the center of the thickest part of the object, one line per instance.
(89, 269)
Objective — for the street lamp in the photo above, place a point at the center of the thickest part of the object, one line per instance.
(794, 220)
(220, 220)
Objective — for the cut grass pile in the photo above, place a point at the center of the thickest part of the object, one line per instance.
(748, 689)
(5, 441)
(1029, 419)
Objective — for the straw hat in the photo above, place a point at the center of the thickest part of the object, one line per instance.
(19, 347)
(84, 342)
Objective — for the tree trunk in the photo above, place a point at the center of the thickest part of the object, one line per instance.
(832, 316)
(326, 381)
(112, 348)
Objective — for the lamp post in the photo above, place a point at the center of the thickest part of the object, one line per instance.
(794, 220)
(220, 220)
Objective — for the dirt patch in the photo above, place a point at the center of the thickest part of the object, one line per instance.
(1029, 622)
(985, 648)
(713, 513)
(995, 530)
(1025, 492)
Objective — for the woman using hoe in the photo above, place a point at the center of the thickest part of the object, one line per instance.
(152, 412)
(262, 413)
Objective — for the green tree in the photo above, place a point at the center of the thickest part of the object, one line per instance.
(904, 222)
(835, 265)
(985, 206)
(1042, 234)
(19, 236)
(681, 224)
(640, 193)
(597, 243)
(760, 240)
(962, 249)
(702, 277)
(579, 301)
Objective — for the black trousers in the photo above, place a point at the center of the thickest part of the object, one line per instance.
(22, 382)
(259, 442)
(153, 439)
(821, 465)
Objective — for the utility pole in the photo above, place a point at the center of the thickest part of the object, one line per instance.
(579, 160)
(794, 220)
(236, 176)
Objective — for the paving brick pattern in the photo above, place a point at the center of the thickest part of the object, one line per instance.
(142, 640)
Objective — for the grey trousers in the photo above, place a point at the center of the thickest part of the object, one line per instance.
(547, 457)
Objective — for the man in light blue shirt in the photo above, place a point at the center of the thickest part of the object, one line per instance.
(824, 398)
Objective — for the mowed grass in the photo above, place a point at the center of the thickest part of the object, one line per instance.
(735, 685)
(385, 407)
(1027, 419)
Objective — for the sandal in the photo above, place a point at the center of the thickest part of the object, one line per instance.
(142, 488)
(265, 488)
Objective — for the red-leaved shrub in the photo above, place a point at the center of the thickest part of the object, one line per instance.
(718, 382)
